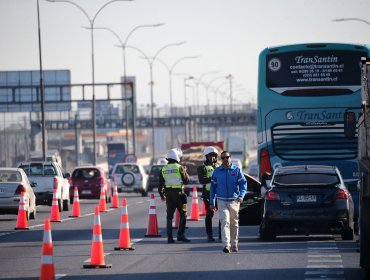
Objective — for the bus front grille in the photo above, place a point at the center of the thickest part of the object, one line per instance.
(316, 142)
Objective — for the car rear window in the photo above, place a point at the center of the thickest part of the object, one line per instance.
(120, 169)
(39, 169)
(86, 173)
(306, 178)
(10, 176)
(156, 169)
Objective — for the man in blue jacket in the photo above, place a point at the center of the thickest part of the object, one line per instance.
(229, 185)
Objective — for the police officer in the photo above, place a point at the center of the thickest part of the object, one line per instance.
(205, 172)
(171, 189)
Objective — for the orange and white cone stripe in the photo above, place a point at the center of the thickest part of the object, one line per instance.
(152, 230)
(194, 216)
(102, 202)
(22, 214)
(115, 201)
(76, 210)
(54, 214)
(47, 270)
(97, 259)
(124, 236)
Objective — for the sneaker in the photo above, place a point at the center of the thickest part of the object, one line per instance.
(183, 239)
(235, 248)
(226, 249)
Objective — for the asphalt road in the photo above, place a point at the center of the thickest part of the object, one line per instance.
(293, 257)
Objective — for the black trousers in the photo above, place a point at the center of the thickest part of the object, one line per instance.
(173, 202)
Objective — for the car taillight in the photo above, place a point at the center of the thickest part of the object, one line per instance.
(342, 194)
(271, 195)
(20, 189)
(265, 164)
(70, 182)
(55, 183)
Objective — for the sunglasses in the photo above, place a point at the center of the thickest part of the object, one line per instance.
(225, 157)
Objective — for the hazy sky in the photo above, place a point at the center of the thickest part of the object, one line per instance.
(227, 34)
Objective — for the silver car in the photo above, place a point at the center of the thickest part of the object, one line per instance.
(13, 181)
(130, 177)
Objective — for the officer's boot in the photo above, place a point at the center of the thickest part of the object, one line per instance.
(181, 231)
(208, 222)
(169, 231)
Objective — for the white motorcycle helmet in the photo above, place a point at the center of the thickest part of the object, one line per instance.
(173, 154)
(210, 150)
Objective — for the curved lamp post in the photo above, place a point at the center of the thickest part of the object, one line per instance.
(170, 72)
(122, 45)
(91, 22)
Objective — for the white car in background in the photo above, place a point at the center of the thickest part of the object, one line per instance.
(13, 181)
(237, 162)
(130, 177)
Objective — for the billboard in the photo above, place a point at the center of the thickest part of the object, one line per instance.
(20, 91)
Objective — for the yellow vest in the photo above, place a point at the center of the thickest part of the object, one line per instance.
(172, 176)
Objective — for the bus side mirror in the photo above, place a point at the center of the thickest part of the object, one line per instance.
(349, 124)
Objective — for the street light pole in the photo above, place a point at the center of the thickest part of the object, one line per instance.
(91, 22)
(230, 77)
(351, 19)
(42, 92)
(122, 45)
(170, 72)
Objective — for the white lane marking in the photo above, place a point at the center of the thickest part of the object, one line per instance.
(324, 266)
(324, 261)
(324, 256)
(58, 276)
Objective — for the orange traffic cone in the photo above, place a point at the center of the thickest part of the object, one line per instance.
(203, 212)
(115, 202)
(76, 212)
(47, 270)
(194, 216)
(102, 202)
(152, 230)
(22, 214)
(97, 249)
(54, 214)
(176, 221)
(124, 233)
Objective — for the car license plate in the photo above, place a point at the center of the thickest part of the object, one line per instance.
(306, 198)
(86, 192)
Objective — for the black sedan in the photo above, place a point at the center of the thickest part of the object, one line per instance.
(307, 200)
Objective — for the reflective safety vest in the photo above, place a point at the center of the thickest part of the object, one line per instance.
(209, 172)
(172, 176)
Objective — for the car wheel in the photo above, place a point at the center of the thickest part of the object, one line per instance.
(128, 179)
(33, 214)
(347, 234)
(267, 233)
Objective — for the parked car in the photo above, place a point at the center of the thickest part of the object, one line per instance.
(253, 169)
(13, 181)
(251, 208)
(130, 177)
(153, 176)
(307, 199)
(90, 180)
(47, 176)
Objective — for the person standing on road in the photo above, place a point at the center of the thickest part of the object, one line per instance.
(205, 172)
(229, 185)
(171, 189)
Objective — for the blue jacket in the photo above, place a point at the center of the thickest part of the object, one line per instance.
(227, 184)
